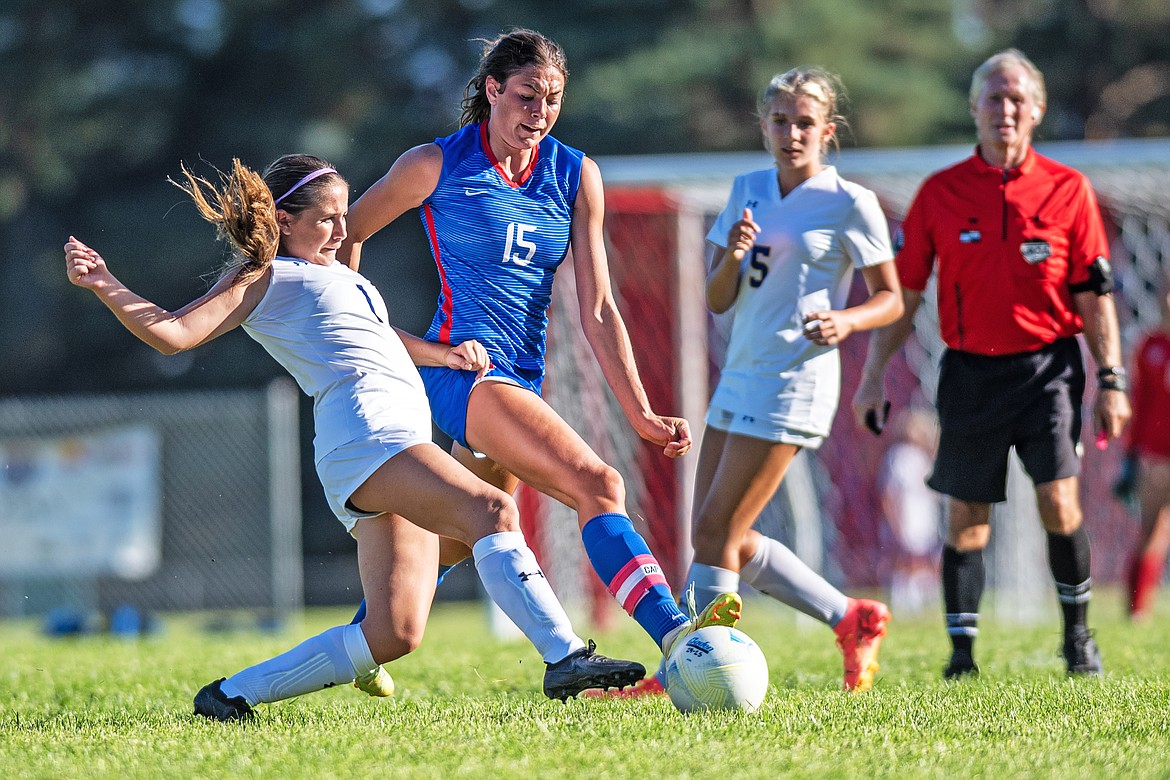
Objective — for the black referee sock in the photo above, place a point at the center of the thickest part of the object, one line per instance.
(962, 579)
(1070, 560)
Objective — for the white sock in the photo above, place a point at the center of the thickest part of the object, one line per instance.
(709, 582)
(331, 658)
(776, 571)
(513, 580)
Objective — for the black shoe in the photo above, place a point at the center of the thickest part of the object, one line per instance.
(211, 702)
(586, 669)
(961, 665)
(1081, 653)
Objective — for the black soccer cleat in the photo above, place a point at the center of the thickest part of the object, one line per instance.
(211, 702)
(1081, 653)
(961, 665)
(586, 669)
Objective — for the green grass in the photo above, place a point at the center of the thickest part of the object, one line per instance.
(469, 706)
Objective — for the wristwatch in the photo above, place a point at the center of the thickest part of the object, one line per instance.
(1113, 378)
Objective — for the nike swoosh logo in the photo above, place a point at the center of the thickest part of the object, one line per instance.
(470, 192)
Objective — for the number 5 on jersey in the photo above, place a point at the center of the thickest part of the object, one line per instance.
(757, 265)
(518, 241)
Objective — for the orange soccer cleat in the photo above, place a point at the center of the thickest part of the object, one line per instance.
(648, 686)
(859, 635)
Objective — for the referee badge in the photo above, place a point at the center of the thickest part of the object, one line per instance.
(970, 236)
(1035, 251)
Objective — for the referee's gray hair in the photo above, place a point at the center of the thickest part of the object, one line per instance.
(1005, 59)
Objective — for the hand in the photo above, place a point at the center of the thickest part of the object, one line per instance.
(673, 434)
(85, 266)
(827, 328)
(469, 356)
(870, 409)
(1111, 412)
(742, 236)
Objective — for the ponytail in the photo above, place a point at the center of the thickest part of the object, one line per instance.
(243, 209)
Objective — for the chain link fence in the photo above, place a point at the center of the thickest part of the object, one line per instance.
(230, 500)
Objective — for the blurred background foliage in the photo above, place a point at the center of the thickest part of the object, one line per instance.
(101, 99)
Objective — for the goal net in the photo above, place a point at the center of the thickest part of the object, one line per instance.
(659, 209)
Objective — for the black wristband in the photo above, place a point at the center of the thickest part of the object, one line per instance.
(1112, 378)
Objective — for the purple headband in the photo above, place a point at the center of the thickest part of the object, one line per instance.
(308, 178)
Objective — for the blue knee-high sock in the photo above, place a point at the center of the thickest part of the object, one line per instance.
(360, 615)
(625, 564)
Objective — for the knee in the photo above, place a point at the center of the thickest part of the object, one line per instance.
(601, 482)
(500, 514)
(395, 641)
(968, 526)
(715, 546)
(969, 539)
(1061, 514)
(1059, 503)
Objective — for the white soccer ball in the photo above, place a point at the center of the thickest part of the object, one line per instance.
(717, 668)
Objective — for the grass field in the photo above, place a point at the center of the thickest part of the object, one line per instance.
(469, 706)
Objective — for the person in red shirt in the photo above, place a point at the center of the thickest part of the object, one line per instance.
(1148, 462)
(1018, 245)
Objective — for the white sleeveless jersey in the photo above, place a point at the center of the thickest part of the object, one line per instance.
(802, 261)
(327, 325)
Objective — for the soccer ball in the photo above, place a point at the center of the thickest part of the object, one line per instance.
(717, 668)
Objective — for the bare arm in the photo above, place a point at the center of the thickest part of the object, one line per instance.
(723, 279)
(883, 343)
(221, 309)
(883, 306)
(1111, 410)
(603, 325)
(411, 180)
(467, 356)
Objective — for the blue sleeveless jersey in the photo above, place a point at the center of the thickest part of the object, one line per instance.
(497, 245)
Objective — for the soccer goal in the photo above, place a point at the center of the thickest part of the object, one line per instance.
(659, 209)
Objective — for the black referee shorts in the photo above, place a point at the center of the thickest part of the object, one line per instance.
(989, 404)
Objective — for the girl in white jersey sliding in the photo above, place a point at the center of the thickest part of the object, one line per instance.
(502, 201)
(784, 251)
(389, 485)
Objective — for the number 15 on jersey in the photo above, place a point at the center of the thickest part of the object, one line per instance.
(519, 249)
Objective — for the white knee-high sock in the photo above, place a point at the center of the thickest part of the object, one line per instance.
(513, 580)
(331, 658)
(776, 571)
(709, 582)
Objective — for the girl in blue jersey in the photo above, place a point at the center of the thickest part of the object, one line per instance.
(502, 201)
(386, 481)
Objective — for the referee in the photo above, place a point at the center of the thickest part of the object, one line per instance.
(1021, 256)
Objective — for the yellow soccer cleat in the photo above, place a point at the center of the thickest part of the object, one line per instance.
(376, 682)
(723, 610)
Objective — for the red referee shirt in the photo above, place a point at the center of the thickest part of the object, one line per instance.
(1009, 243)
